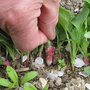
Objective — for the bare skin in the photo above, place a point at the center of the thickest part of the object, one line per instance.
(19, 18)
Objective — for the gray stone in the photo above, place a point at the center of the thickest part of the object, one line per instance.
(58, 81)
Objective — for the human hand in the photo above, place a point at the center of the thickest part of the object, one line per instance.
(19, 18)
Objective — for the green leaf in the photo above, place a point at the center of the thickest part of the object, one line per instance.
(59, 30)
(60, 37)
(12, 74)
(5, 41)
(30, 87)
(46, 87)
(87, 69)
(29, 76)
(64, 18)
(59, 67)
(74, 35)
(88, 1)
(88, 21)
(78, 20)
(84, 47)
(5, 83)
(87, 34)
(60, 61)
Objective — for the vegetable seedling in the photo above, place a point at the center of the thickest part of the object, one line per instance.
(61, 64)
(74, 28)
(87, 70)
(13, 76)
(49, 53)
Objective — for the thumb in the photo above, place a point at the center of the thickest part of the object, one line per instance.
(49, 18)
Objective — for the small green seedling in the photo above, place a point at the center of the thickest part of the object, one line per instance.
(29, 86)
(14, 78)
(87, 70)
(61, 64)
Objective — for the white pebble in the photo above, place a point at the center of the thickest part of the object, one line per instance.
(24, 58)
(60, 73)
(84, 75)
(87, 86)
(39, 60)
(79, 62)
(76, 10)
(58, 81)
(54, 74)
(43, 82)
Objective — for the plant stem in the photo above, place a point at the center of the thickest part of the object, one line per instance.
(48, 43)
(41, 50)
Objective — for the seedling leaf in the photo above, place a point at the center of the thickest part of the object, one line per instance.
(87, 69)
(87, 1)
(30, 87)
(5, 83)
(64, 18)
(80, 18)
(12, 74)
(59, 67)
(29, 76)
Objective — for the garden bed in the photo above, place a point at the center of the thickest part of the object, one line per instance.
(63, 79)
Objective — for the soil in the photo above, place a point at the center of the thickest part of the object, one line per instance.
(65, 80)
(70, 78)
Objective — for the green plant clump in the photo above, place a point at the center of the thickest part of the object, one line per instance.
(62, 64)
(74, 29)
(14, 78)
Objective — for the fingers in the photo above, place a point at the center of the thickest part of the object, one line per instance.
(27, 41)
(49, 17)
(28, 38)
(20, 22)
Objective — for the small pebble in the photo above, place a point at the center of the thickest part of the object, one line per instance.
(87, 86)
(58, 81)
(60, 73)
(83, 74)
(79, 63)
(43, 82)
(39, 60)
(76, 10)
(24, 58)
